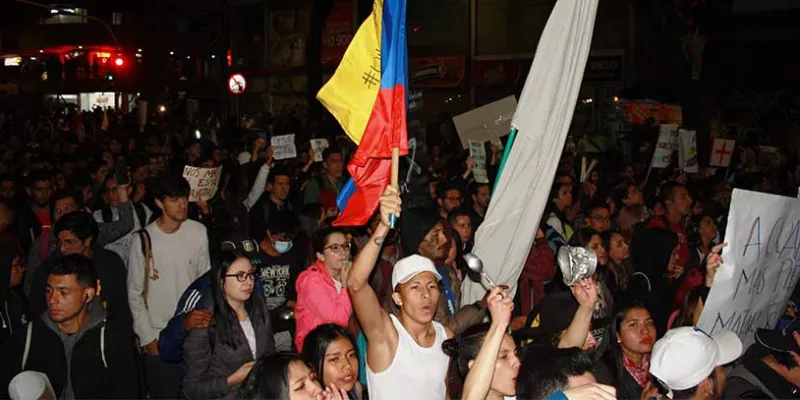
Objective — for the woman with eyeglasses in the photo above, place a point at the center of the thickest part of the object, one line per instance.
(321, 295)
(219, 357)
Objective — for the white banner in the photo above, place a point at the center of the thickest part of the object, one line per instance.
(204, 181)
(489, 122)
(687, 151)
(283, 147)
(665, 146)
(542, 119)
(319, 146)
(478, 153)
(761, 265)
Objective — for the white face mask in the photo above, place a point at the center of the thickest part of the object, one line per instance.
(282, 247)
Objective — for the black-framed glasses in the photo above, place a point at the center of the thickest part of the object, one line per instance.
(338, 248)
(246, 245)
(243, 276)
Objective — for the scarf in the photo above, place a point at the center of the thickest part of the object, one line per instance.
(639, 374)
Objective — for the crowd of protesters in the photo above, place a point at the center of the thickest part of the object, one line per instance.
(114, 285)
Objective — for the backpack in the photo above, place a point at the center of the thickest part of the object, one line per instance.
(147, 251)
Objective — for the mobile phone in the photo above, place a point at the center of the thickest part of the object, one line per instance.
(121, 173)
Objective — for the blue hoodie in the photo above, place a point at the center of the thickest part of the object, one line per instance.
(170, 339)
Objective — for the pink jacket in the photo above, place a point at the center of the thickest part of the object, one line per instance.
(318, 302)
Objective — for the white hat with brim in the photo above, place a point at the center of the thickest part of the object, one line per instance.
(686, 356)
(409, 267)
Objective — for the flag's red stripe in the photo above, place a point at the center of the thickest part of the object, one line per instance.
(375, 176)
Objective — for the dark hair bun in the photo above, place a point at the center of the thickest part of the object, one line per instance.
(451, 347)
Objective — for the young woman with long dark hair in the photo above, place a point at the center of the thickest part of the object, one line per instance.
(283, 376)
(330, 351)
(219, 357)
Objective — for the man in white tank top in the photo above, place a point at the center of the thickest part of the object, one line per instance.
(404, 352)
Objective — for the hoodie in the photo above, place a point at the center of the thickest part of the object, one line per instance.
(95, 362)
(12, 300)
(651, 250)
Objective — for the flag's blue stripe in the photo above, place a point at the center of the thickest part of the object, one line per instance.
(394, 51)
(344, 195)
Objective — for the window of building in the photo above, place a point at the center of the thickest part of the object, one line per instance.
(116, 18)
(58, 16)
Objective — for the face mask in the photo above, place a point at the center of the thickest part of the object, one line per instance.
(282, 247)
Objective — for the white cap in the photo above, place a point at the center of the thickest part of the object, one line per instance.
(243, 158)
(411, 266)
(686, 356)
(30, 385)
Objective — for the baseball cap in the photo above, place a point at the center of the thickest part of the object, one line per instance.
(779, 339)
(555, 314)
(686, 356)
(411, 266)
(245, 245)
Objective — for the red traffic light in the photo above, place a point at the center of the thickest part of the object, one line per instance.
(119, 61)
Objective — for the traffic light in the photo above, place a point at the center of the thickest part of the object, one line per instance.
(119, 61)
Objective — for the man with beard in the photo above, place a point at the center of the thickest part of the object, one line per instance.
(422, 232)
(481, 195)
(166, 257)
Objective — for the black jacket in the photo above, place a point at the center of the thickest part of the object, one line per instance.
(98, 368)
(209, 362)
(113, 278)
(13, 304)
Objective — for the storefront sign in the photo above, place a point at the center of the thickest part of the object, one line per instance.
(605, 66)
(497, 73)
(338, 31)
(436, 72)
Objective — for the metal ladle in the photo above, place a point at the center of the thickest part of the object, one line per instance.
(476, 265)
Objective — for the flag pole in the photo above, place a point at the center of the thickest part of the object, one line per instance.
(511, 137)
(395, 179)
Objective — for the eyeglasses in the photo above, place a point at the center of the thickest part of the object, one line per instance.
(243, 276)
(246, 245)
(338, 248)
(454, 199)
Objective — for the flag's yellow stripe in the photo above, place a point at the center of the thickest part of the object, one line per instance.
(351, 92)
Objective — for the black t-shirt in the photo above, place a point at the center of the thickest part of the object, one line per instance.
(278, 276)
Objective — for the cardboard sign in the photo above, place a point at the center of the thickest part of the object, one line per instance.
(721, 152)
(203, 181)
(484, 123)
(319, 145)
(478, 153)
(761, 265)
(687, 151)
(667, 136)
(283, 147)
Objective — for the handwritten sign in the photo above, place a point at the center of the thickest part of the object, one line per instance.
(761, 265)
(687, 151)
(721, 152)
(203, 181)
(478, 153)
(283, 147)
(486, 122)
(662, 156)
(319, 145)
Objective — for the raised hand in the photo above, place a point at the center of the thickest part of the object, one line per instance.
(390, 204)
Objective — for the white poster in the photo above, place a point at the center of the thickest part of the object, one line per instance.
(687, 151)
(478, 153)
(489, 122)
(319, 145)
(721, 152)
(283, 147)
(760, 265)
(203, 181)
(667, 137)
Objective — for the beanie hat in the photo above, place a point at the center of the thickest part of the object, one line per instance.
(414, 226)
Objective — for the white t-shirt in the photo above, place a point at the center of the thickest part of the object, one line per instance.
(250, 334)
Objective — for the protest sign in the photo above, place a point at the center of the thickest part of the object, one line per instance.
(203, 181)
(478, 153)
(662, 156)
(283, 147)
(482, 123)
(721, 152)
(319, 145)
(687, 151)
(760, 268)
